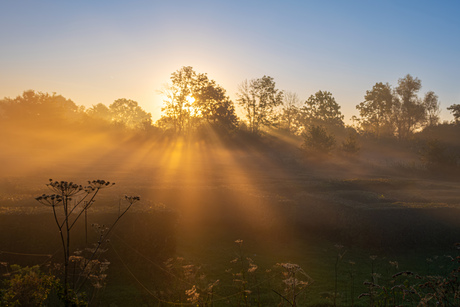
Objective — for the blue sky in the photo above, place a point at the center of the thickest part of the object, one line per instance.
(99, 51)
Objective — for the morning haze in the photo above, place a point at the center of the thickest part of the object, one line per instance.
(229, 154)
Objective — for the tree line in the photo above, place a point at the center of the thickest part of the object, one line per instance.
(193, 101)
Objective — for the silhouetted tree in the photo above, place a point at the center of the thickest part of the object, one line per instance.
(100, 112)
(259, 98)
(408, 110)
(191, 98)
(214, 105)
(322, 109)
(39, 106)
(455, 110)
(129, 113)
(376, 110)
(290, 111)
(432, 110)
(318, 140)
(350, 144)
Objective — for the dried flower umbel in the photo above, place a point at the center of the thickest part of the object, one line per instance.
(75, 200)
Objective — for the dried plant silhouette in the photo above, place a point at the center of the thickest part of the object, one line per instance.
(75, 200)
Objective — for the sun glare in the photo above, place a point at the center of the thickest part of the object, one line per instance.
(190, 99)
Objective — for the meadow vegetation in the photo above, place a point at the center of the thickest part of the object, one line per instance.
(290, 207)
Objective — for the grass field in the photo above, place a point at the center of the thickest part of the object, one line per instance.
(197, 200)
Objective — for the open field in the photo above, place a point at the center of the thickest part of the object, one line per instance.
(197, 199)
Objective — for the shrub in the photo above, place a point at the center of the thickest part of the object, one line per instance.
(350, 145)
(317, 139)
(27, 286)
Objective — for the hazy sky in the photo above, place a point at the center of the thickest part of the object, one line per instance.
(99, 51)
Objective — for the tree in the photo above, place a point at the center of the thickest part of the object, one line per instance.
(322, 109)
(100, 112)
(350, 144)
(408, 110)
(129, 113)
(214, 105)
(179, 96)
(259, 98)
(191, 98)
(39, 106)
(290, 111)
(318, 140)
(376, 110)
(455, 110)
(431, 104)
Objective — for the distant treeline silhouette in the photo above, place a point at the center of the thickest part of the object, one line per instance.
(194, 103)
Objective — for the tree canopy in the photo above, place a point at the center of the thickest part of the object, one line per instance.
(455, 110)
(376, 109)
(259, 98)
(129, 113)
(192, 99)
(399, 111)
(322, 109)
(39, 106)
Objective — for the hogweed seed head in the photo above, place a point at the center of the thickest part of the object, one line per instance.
(49, 200)
(132, 199)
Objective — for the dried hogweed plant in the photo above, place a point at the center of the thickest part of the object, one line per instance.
(293, 285)
(69, 201)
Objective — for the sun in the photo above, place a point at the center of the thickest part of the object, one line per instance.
(190, 99)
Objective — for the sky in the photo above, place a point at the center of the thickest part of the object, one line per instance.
(99, 51)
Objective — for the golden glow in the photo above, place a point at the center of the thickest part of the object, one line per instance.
(203, 181)
(190, 99)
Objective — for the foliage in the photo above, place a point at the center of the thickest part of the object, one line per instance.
(409, 111)
(376, 110)
(129, 113)
(259, 98)
(350, 144)
(399, 111)
(322, 109)
(290, 112)
(437, 156)
(318, 140)
(27, 286)
(192, 98)
(40, 106)
(455, 110)
(100, 112)
(431, 104)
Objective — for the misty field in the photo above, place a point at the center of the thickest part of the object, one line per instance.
(224, 224)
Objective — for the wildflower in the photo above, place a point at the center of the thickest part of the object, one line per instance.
(373, 257)
(290, 267)
(193, 295)
(252, 268)
(239, 242)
